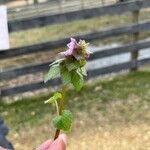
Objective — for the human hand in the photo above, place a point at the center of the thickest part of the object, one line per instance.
(58, 144)
(1, 148)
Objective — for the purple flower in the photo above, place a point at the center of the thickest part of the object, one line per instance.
(71, 47)
(77, 50)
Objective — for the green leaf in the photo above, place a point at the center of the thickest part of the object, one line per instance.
(57, 61)
(65, 76)
(55, 97)
(83, 71)
(72, 65)
(53, 72)
(82, 62)
(57, 122)
(63, 121)
(77, 80)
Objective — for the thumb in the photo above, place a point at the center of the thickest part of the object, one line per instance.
(45, 145)
(59, 144)
(1, 148)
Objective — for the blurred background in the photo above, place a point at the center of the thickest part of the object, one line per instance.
(112, 111)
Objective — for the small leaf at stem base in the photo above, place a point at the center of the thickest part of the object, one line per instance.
(63, 121)
(55, 97)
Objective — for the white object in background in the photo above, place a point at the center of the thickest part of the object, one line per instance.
(4, 36)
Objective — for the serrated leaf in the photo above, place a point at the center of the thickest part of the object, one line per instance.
(72, 65)
(77, 80)
(65, 76)
(83, 71)
(55, 97)
(64, 121)
(53, 72)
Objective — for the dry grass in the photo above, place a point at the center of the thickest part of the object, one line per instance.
(91, 131)
(126, 137)
(111, 137)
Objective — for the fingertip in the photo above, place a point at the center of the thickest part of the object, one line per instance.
(63, 137)
(59, 143)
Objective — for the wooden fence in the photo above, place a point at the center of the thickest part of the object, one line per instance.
(54, 7)
(119, 8)
(48, 46)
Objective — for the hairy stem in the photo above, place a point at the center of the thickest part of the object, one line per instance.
(61, 108)
(57, 132)
(57, 107)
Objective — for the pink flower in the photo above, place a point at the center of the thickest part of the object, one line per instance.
(71, 47)
(77, 50)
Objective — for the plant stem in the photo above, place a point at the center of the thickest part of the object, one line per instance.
(57, 132)
(61, 108)
(57, 107)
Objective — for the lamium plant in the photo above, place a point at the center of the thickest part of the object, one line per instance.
(71, 68)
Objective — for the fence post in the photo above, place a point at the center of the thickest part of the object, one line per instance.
(103, 2)
(82, 4)
(135, 38)
(35, 1)
(60, 6)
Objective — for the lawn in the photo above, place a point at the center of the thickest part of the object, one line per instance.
(111, 113)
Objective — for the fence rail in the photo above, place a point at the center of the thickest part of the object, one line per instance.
(91, 73)
(47, 46)
(119, 8)
(134, 46)
(54, 7)
(34, 68)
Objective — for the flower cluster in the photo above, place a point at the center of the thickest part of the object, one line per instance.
(77, 50)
